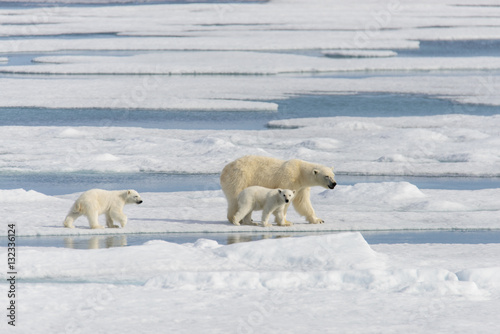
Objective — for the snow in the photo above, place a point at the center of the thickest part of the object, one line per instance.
(443, 145)
(288, 284)
(249, 63)
(218, 57)
(246, 93)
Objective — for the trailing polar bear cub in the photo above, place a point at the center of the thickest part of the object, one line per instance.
(298, 175)
(259, 198)
(95, 202)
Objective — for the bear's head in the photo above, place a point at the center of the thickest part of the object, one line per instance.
(286, 194)
(133, 197)
(324, 177)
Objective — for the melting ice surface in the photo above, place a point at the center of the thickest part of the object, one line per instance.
(161, 97)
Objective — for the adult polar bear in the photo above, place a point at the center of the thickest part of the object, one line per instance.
(295, 174)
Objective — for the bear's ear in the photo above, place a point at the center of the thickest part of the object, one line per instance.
(279, 190)
(294, 191)
(128, 192)
(315, 171)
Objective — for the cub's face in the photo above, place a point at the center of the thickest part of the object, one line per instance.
(133, 197)
(324, 177)
(286, 194)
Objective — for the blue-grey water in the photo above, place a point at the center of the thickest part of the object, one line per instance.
(67, 183)
(358, 105)
(372, 237)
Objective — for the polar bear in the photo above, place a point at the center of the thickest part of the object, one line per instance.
(270, 172)
(95, 202)
(257, 198)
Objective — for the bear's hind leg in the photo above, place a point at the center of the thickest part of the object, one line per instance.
(70, 218)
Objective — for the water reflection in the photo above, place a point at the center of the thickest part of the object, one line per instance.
(371, 237)
(102, 241)
(95, 242)
(235, 238)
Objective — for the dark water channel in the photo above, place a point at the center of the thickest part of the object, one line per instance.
(372, 237)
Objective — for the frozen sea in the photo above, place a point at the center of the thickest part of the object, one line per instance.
(402, 99)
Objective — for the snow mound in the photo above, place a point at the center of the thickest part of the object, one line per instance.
(483, 277)
(107, 157)
(384, 192)
(21, 196)
(72, 133)
(343, 251)
(341, 261)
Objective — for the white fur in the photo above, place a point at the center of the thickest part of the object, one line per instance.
(95, 202)
(269, 172)
(257, 198)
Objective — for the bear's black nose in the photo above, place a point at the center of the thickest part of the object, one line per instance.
(332, 185)
(139, 202)
(286, 200)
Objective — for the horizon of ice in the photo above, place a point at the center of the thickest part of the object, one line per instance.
(238, 29)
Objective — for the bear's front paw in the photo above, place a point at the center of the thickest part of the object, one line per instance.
(316, 220)
(286, 223)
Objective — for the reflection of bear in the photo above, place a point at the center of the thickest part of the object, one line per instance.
(95, 202)
(259, 198)
(268, 172)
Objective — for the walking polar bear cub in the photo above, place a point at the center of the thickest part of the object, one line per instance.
(95, 202)
(257, 198)
(273, 173)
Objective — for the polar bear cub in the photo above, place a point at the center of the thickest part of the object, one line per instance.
(257, 198)
(95, 202)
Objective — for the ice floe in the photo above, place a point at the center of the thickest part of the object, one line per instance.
(445, 145)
